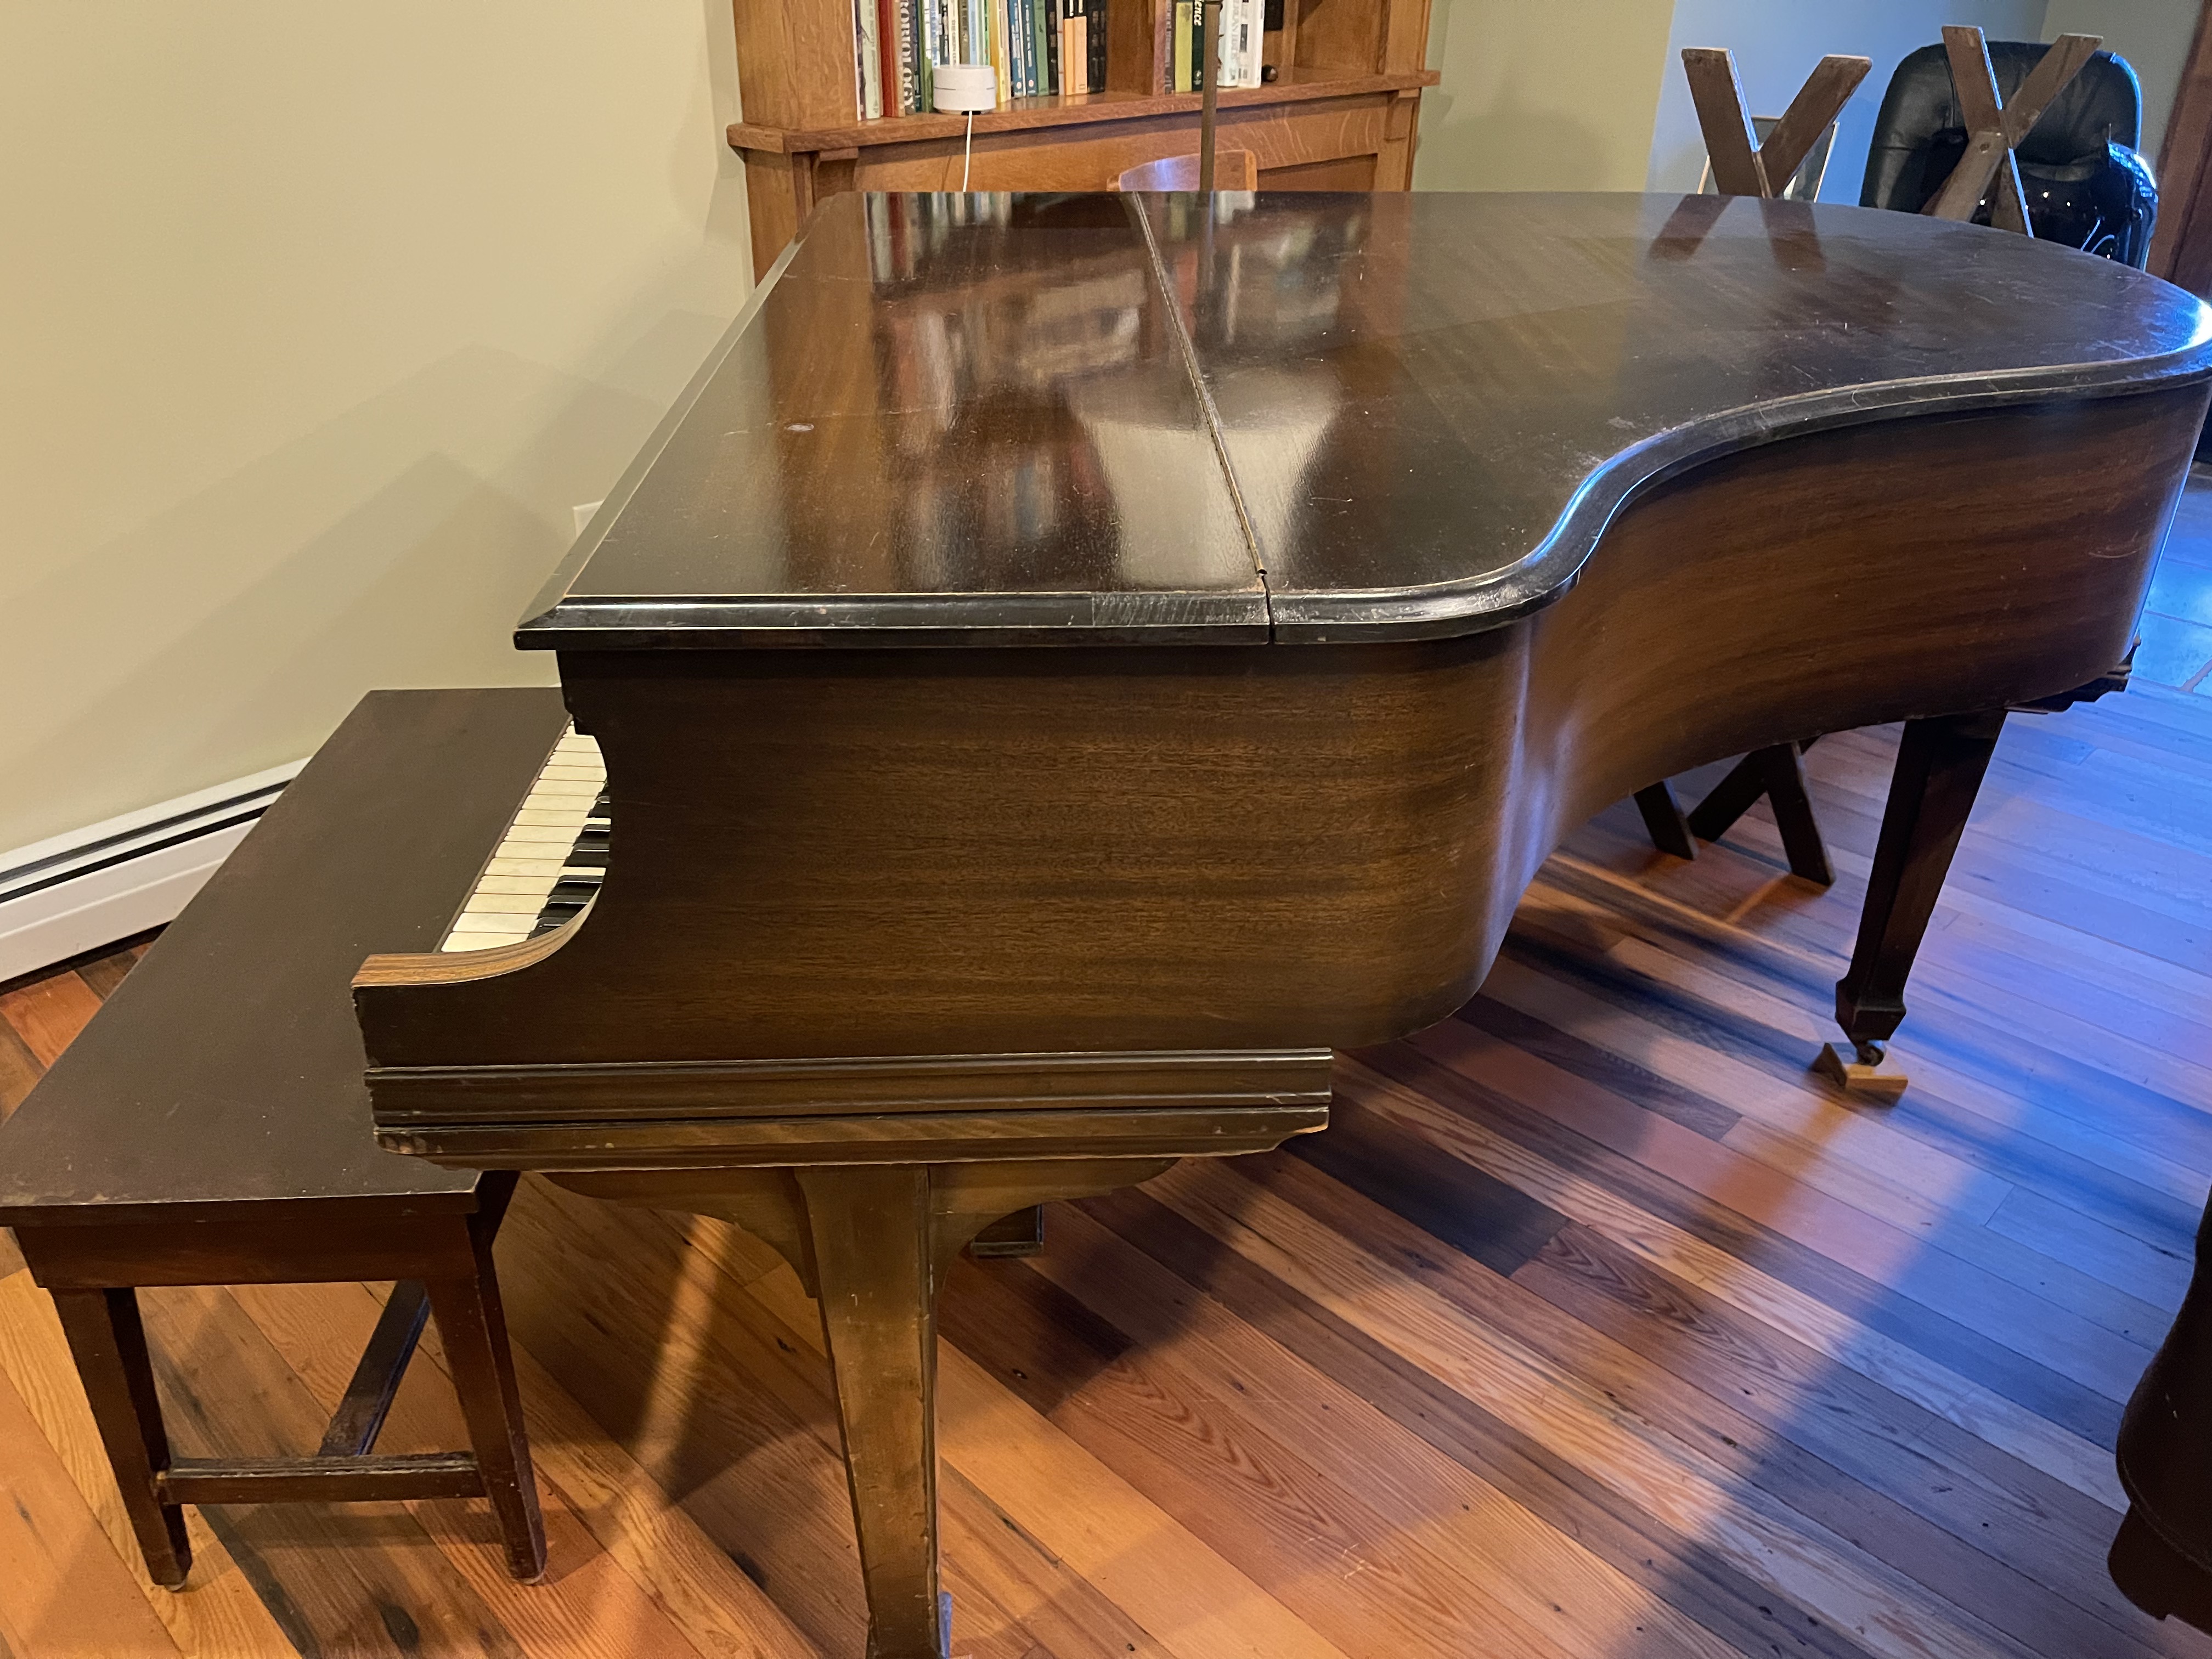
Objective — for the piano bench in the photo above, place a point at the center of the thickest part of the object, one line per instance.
(211, 1126)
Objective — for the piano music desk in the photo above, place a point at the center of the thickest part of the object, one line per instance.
(210, 1126)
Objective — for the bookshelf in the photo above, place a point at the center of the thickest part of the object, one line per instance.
(1342, 113)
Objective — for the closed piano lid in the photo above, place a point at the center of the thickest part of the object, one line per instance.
(1025, 420)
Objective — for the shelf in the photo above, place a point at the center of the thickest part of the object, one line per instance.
(1074, 109)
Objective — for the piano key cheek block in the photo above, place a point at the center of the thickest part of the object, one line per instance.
(889, 932)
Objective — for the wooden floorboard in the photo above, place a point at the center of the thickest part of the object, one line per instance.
(1595, 1327)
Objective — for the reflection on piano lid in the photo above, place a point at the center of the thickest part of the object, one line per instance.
(552, 858)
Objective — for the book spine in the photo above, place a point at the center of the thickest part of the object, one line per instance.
(1024, 31)
(997, 11)
(887, 60)
(1197, 42)
(1049, 23)
(902, 47)
(1077, 56)
(868, 59)
(1179, 70)
(1095, 27)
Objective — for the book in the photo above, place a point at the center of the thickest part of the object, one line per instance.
(908, 47)
(1040, 46)
(868, 51)
(1180, 66)
(1049, 22)
(996, 10)
(1094, 24)
(887, 58)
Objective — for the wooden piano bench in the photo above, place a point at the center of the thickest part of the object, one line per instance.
(210, 1126)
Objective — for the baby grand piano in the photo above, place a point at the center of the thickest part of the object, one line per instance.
(1066, 664)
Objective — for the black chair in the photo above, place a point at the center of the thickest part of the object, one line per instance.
(2086, 187)
(2085, 184)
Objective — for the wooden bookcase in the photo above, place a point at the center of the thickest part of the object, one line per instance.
(1340, 114)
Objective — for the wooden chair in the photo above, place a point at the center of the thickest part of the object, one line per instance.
(1741, 164)
(211, 1127)
(1233, 169)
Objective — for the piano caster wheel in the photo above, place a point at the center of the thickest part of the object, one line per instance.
(1855, 1067)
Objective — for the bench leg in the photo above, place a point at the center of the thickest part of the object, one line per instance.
(108, 1344)
(473, 1328)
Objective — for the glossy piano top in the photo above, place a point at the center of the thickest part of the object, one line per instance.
(1034, 420)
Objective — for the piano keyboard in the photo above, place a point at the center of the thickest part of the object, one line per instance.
(550, 861)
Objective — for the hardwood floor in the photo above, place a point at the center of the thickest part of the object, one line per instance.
(1595, 1328)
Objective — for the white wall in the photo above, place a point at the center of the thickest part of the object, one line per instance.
(1552, 96)
(2153, 35)
(319, 321)
(1776, 47)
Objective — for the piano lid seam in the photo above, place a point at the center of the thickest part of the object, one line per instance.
(1133, 204)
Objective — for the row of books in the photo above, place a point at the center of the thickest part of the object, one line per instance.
(1036, 46)
(1241, 23)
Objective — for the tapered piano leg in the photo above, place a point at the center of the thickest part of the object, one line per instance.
(872, 1243)
(869, 1228)
(1939, 770)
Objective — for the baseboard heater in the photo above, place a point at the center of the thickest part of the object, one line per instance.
(90, 887)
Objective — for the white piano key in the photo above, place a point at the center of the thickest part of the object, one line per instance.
(503, 866)
(562, 836)
(519, 904)
(496, 922)
(539, 881)
(481, 941)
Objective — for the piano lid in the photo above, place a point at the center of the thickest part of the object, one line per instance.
(1030, 420)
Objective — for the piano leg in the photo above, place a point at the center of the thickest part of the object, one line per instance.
(2162, 1558)
(872, 1243)
(868, 1227)
(1939, 770)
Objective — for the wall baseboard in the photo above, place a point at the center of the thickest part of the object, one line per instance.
(90, 887)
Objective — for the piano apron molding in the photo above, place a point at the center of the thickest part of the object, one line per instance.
(88, 887)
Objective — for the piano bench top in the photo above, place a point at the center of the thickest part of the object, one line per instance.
(222, 1081)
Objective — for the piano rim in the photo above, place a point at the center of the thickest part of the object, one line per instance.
(1475, 605)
